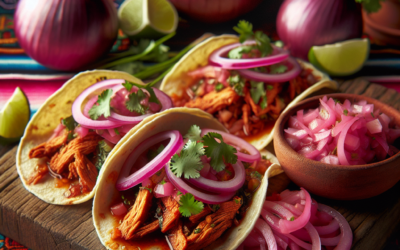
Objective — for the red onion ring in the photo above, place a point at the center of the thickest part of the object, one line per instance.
(254, 154)
(217, 59)
(287, 226)
(345, 231)
(126, 181)
(266, 231)
(77, 106)
(263, 77)
(231, 185)
(164, 99)
(182, 186)
(315, 240)
(340, 145)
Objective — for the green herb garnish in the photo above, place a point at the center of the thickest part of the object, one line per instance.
(219, 87)
(193, 133)
(133, 103)
(218, 152)
(103, 149)
(189, 206)
(263, 43)
(188, 163)
(237, 83)
(257, 91)
(345, 112)
(103, 107)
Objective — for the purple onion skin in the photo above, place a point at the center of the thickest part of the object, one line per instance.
(302, 24)
(66, 34)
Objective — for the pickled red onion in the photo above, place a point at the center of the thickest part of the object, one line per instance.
(126, 180)
(231, 185)
(217, 59)
(264, 77)
(182, 186)
(77, 106)
(254, 154)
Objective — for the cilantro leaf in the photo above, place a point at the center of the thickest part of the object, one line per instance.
(218, 152)
(263, 43)
(69, 123)
(245, 30)
(237, 52)
(278, 68)
(193, 133)
(270, 87)
(219, 87)
(116, 131)
(189, 206)
(128, 85)
(103, 149)
(257, 90)
(133, 104)
(103, 107)
(188, 163)
(237, 83)
(152, 98)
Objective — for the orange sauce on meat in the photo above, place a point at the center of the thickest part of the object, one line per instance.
(156, 239)
(63, 183)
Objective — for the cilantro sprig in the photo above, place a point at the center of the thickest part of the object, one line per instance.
(133, 104)
(219, 152)
(102, 106)
(189, 206)
(257, 91)
(193, 133)
(245, 30)
(188, 163)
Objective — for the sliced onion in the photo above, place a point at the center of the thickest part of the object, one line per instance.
(254, 154)
(278, 209)
(287, 226)
(217, 59)
(77, 106)
(184, 187)
(81, 131)
(163, 190)
(164, 99)
(264, 77)
(106, 135)
(119, 209)
(126, 181)
(340, 146)
(266, 231)
(315, 240)
(346, 238)
(231, 185)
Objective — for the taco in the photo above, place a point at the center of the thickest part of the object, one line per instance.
(248, 108)
(67, 141)
(141, 203)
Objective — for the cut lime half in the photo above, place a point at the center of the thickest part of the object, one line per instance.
(340, 59)
(147, 18)
(13, 117)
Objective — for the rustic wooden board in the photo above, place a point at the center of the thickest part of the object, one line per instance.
(38, 225)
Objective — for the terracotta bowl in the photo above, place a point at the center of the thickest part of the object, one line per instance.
(336, 181)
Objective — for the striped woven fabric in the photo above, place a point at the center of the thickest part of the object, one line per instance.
(8, 244)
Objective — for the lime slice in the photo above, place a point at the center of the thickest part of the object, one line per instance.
(14, 116)
(147, 18)
(340, 59)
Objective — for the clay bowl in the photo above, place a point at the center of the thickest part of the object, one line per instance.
(336, 181)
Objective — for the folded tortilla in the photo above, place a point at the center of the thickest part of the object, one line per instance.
(41, 127)
(173, 119)
(178, 80)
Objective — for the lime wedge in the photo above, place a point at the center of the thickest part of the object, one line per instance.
(147, 18)
(340, 59)
(14, 116)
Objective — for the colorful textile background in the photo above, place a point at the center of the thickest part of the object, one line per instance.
(8, 244)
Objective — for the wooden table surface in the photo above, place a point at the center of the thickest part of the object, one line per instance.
(38, 225)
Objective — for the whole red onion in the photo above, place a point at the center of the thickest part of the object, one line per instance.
(214, 11)
(66, 34)
(304, 23)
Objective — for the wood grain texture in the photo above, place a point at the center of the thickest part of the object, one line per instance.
(38, 225)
